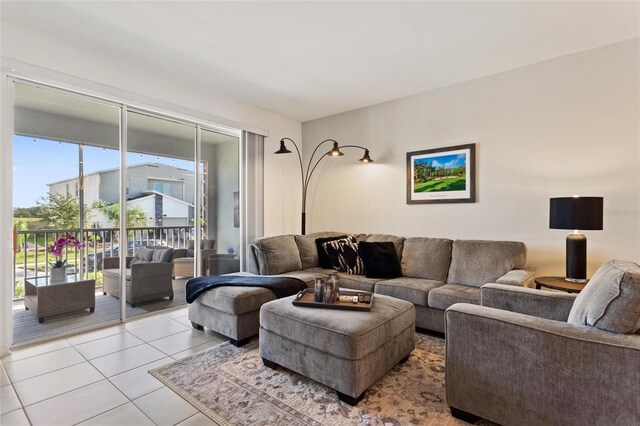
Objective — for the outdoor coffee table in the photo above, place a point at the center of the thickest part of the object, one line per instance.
(345, 350)
(46, 299)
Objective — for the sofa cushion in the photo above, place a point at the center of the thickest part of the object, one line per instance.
(427, 258)
(449, 294)
(324, 261)
(358, 282)
(381, 238)
(276, 255)
(379, 259)
(345, 256)
(143, 255)
(308, 248)
(236, 300)
(162, 255)
(414, 290)
(307, 275)
(611, 299)
(476, 263)
(115, 273)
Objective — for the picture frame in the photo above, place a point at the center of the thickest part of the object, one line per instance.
(442, 175)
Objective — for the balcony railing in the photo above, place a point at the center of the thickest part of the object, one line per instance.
(32, 259)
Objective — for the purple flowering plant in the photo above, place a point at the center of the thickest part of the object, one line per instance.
(58, 247)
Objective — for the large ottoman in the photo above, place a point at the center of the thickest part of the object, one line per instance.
(231, 311)
(345, 350)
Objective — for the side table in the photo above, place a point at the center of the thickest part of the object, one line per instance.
(559, 283)
(47, 299)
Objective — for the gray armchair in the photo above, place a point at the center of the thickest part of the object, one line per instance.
(516, 360)
(145, 281)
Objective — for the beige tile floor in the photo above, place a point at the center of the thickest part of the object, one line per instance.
(101, 377)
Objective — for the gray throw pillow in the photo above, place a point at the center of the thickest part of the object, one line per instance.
(277, 255)
(144, 255)
(162, 255)
(611, 299)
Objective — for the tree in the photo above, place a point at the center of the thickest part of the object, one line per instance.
(60, 211)
(27, 211)
(136, 217)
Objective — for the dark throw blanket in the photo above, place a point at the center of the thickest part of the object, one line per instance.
(280, 286)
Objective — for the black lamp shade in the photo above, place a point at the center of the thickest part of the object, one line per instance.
(283, 149)
(583, 213)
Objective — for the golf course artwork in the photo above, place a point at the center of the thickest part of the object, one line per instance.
(442, 175)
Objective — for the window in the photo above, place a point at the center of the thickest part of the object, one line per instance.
(77, 190)
(162, 187)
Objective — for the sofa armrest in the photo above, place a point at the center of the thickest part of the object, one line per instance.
(503, 366)
(518, 277)
(112, 262)
(252, 260)
(551, 305)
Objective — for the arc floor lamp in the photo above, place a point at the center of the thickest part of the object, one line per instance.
(311, 167)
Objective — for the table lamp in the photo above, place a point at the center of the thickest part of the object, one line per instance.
(577, 213)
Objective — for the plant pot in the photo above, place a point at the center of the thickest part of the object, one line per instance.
(57, 275)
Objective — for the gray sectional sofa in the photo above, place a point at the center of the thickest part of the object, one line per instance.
(436, 272)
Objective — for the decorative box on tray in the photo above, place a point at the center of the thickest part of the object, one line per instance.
(347, 299)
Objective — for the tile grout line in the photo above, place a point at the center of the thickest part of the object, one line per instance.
(23, 407)
(57, 369)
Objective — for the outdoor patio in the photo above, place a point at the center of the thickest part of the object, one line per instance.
(26, 327)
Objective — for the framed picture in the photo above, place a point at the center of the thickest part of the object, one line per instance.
(442, 175)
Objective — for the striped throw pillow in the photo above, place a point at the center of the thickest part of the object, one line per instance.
(345, 256)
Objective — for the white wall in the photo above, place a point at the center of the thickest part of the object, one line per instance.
(561, 127)
(148, 204)
(29, 52)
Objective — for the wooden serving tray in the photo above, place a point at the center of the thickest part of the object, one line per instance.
(305, 298)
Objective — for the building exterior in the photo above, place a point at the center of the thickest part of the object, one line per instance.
(164, 192)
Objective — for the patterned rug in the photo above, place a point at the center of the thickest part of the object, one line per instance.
(233, 387)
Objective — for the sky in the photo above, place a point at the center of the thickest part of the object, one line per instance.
(446, 161)
(37, 162)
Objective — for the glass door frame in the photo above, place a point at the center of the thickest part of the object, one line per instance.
(7, 83)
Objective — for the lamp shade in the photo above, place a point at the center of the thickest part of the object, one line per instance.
(583, 213)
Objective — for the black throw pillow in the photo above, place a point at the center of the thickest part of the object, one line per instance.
(323, 258)
(380, 259)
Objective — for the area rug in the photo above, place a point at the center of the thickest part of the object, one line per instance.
(233, 387)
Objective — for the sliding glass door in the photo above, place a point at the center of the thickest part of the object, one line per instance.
(119, 232)
(161, 214)
(66, 149)
(220, 206)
